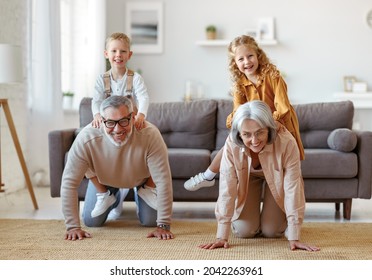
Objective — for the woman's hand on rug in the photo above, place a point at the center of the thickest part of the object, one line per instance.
(295, 244)
(76, 234)
(161, 234)
(219, 243)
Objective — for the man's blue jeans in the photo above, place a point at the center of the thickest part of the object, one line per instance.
(146, 214)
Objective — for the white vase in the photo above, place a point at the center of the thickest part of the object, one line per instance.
(67, 102)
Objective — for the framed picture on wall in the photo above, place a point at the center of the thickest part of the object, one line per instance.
(265, 29)
(348, 83)
(144, 26)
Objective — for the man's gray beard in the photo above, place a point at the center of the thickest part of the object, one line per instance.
(118, 144)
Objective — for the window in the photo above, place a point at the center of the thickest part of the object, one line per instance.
(82, 45)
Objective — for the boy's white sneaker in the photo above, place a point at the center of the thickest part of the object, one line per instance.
(197, 182)
(104, 201)
(116, 212)
(149, 195)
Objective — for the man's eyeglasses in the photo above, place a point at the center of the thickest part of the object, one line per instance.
(124, 122)
(259, 134)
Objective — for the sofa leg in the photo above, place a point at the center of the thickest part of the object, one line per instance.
(337, 204)
(347, 209)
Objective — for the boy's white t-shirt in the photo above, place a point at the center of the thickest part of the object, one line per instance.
(139, 92)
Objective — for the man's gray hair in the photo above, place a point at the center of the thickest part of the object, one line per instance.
(258, 111)
(116, 101)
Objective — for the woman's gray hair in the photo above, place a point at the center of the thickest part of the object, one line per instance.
(258, 111)
(116, 101)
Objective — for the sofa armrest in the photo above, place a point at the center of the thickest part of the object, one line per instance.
(60, 142)
(364, 151)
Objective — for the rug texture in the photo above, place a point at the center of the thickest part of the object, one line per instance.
(126, 240)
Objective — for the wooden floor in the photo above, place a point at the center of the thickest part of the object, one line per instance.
(18, 205)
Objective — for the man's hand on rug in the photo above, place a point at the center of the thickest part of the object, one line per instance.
(77, 234)
(295, 244)
(219, 243)
(161, 234)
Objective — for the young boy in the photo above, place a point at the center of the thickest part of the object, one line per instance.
(119, 80)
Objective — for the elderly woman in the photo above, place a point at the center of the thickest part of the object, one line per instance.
(260, 161)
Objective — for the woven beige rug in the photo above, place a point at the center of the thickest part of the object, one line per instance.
(126, 240)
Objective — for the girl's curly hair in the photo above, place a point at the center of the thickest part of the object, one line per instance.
(265, 67)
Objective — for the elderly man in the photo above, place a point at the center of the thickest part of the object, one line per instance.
(119, 157)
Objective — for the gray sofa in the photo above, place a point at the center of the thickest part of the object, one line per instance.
(337, 165)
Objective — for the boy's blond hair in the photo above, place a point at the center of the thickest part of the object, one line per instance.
(118, 36)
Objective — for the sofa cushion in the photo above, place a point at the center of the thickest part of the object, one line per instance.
(186, 163)
(342, 139)
(186, 124)
(318, 120)
(327, 163)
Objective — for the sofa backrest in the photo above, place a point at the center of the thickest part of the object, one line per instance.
(224, 108)
(85, 111)
(202, 124)
(318, 120)
(182, 124)
(185, 124)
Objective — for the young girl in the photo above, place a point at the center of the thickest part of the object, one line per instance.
(119, 80)
(254, 77)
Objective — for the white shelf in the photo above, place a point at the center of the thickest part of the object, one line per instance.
(361, 100)
(225, 43)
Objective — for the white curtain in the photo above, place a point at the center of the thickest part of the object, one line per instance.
(45, 98)
(84, 32)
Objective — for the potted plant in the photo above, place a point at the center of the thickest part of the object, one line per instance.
(211, 32)
(68, 97)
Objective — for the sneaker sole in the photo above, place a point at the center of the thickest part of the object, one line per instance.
(194, 188)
